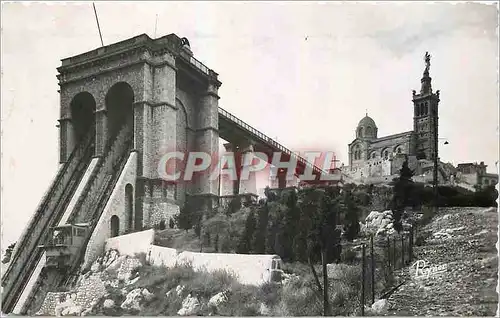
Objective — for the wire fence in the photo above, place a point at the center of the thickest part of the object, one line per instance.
(381, 258)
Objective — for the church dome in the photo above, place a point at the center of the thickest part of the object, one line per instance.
(366, 128)
(367, 121)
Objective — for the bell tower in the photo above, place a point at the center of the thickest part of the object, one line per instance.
(425, 115)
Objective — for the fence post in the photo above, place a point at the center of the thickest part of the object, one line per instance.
(410, 258)
(388, 253)
(415, 233)
(402, 250)
(394, 251)
(363, 281)
(373, 269)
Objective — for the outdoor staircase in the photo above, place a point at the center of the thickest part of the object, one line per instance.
(27, 255)
(88, 209)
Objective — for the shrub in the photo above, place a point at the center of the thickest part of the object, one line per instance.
(268, 293)
(427, 215)
(242, 301)
(349, 256)
(299, 298)
(141, 257)
(206, 284)
(234, 205)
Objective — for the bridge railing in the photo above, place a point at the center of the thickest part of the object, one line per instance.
(268, 140)
(199, 65)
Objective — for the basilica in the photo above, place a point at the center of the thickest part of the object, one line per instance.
(371, 156)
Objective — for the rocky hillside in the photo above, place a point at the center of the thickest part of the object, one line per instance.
(461, 239)
(464, 240)
(123, 285)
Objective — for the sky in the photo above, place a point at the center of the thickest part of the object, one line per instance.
(303, 73)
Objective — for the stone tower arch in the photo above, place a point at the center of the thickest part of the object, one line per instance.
(114, 225)
(82, 109)
(184, 135)
(169, 98)
(119, 103)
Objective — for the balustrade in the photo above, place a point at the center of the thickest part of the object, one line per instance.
(268, 140)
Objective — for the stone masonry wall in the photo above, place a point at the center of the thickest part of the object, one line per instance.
(88, 293)
(115, 206)
(156, 212)
(130, 244)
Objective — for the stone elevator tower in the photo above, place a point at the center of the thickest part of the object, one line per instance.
(123, 107)
(168, 100)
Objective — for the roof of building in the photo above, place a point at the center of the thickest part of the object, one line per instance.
(392, 136)
(367, 121)
(466, 164)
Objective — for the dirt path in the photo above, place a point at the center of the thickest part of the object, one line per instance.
(467, 247)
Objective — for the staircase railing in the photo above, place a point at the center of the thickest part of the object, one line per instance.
(52, 208)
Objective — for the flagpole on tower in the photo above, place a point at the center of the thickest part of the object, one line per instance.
(98, 27)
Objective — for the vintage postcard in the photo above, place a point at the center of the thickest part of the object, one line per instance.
(249, 158)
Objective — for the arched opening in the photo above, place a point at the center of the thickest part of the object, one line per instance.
(369, 131)
(138, 215)
(129, 204)
(162, 225)
(119, 105)
(115, 226)
(385, 154)
(417, 111)
(360, 132)
(82, 108)
(357, 153)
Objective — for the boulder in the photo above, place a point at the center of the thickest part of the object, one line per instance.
(264, 310)
(190, 306)
(147, 295)
(132, 301)
(72, 311)
(108, 303)
(180, 289)
(380, 307)
(217, 300)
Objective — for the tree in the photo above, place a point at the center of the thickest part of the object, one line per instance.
(8, 253)
(234, 205)
(403, 187)
(245, 244)
(261, 232)
(184, 219)
(216, 243)
(270, 195)
(197, 229)
(351, 212)
(322, 206)
(290, 224)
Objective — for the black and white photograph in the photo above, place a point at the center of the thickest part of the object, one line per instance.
(249, 158)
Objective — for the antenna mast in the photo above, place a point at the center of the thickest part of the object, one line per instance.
(98, 27)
